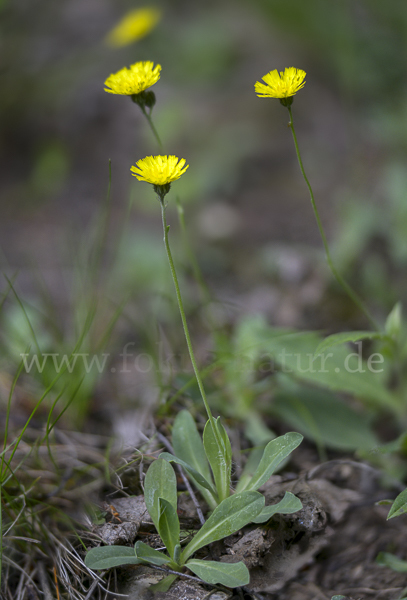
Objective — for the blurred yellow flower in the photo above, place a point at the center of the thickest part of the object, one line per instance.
(134, 80)
(135, 25)
(280, 85)
(159, 170)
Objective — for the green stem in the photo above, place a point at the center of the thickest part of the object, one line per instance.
(152, 126)
(354, 297)
(185, 325)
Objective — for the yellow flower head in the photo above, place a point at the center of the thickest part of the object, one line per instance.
(280, 85)
(159, 170)
(134, 80)
(135, 25)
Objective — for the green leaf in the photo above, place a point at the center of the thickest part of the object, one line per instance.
(238, 357)
(397, 445)
(257, 431)
(106, 557)
(399, 505)
(187, 444)
(384, 503)
(188, 447)
(394, 322)
(347, 336)
(249, 469)
(338, 370)
(147, 554)
(229, 574)
(275, 452)
(160, 482)
(289, 504)
(177, 553)
(323, 417)
(385, 559)
(220, 458)
(168, 526)
(225, 441)
(199, 479)
(163, 585)
(231, 515)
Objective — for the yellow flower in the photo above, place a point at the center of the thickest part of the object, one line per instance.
(134, 80)
(280, 85)
(135, 25)
(159, 170)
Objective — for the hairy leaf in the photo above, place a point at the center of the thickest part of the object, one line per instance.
(168, 526)
(219, 455)
(195, 475)
(229, 574)
(160, 482)
(399, 505)
(231, 515)
(163, 585)
(289, 504)
(274, 453)
(147, 554)
(106, 557)
(188, 447)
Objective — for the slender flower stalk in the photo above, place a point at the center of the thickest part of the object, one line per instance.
(134, 82)
(351, 293)
(284, 86)
(161, 171)
(181, 308)
(152, 126)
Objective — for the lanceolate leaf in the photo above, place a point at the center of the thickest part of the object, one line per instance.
(347, 336)
(274, 453)
(106, 557)
(230, 574)
(399, 505)
(160, 482)
(289, 504)
(197, 477)
(188, 445)
(339, 369)
(231, 515)
(386, 559)
(147, 554)
(323, 417)
(219, 457)
(394, 322)
(249, 468)
(168, 526)
(163, 585)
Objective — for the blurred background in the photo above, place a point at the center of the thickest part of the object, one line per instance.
(84, 271)
(247, 210)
